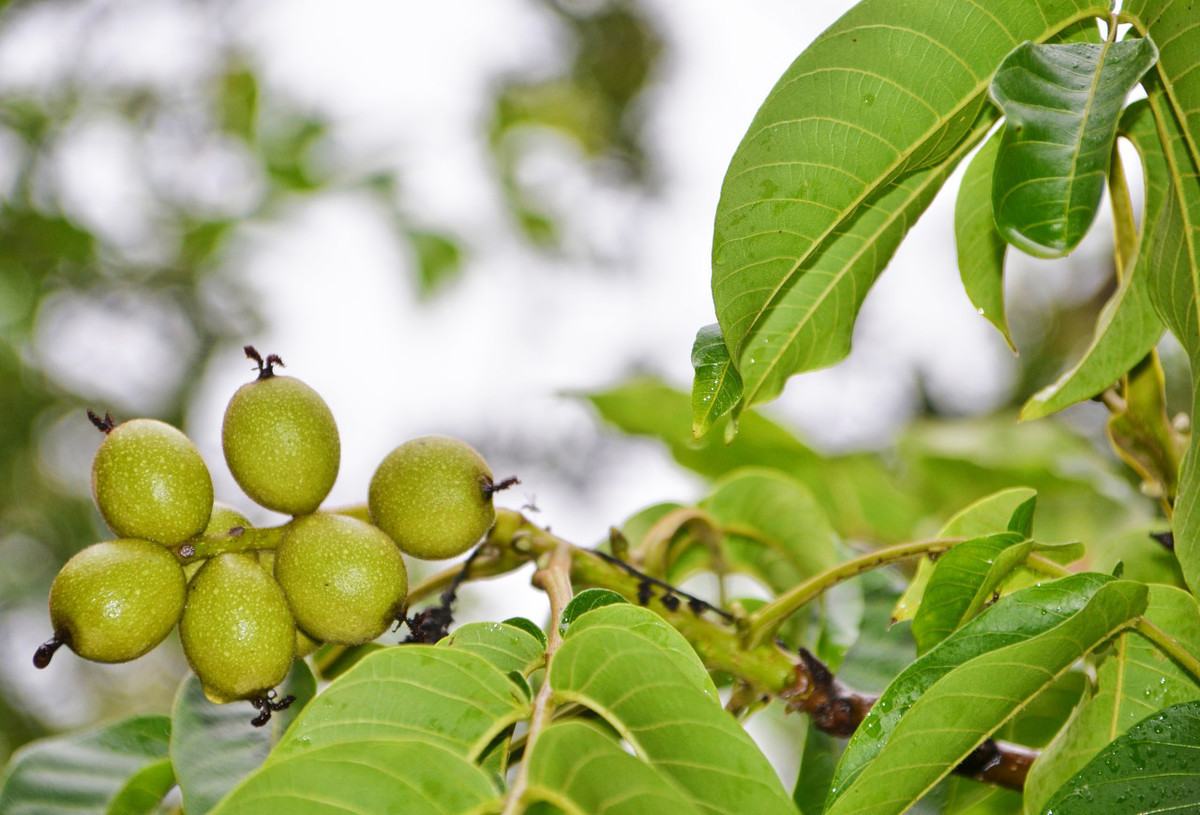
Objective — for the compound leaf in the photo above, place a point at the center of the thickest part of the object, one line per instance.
(971, 701)
(1008, 652)
(1135, 680)
(846, 152)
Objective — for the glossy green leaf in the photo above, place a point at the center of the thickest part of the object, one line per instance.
(586, 601)
(850, 146)
(1153, 768)
(962, 580)
(717, 386)
(1135, 680)
(574, 765)
(529, 627)
(444, 696)
(979, 245)
(213, 747)
(411, 775)
(621, 661)
(1061, 103)
(506, 646)
(84, 772)
(971, 701)
(1008, 509)
(1128, 327)
(1023, 617)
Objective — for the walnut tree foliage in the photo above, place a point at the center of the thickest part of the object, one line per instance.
(996, 618)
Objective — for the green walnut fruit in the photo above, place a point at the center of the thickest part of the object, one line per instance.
(114, 601)
(236, 630)
(433, 496)
(223, 518)
(281, 443)
(344, 579)
(150, 482)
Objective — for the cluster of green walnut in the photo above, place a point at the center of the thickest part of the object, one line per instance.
(249, 601)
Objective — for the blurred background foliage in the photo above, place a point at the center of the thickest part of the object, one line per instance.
(135, 273)
(204, 162)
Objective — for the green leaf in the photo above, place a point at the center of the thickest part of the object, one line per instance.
(1153, 768)
(85, 772)
(585, 601)
(963, 578)
(1007, 510)
(439, 260)
(1175, 287)
(573, 765)
(508, 647)
(145, 790)
(979, 245)
(858, 494)
(529, 627)
(848, 149)
(1061, 104)
(882, 650)
(613, 661)
(971, 701)
(1023, 617)
(818, 761)
(214, 747)
(717, 386)
(444, 696)
(410, 775)
(238, 98)
(950, 463)
(1128, 327)
(807, 324)
(1135, 680)
(649, 626)
(774, 528)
